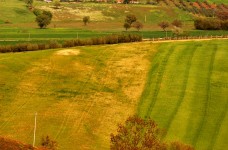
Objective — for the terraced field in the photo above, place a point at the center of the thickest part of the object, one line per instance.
(186, 93)
(81, 94)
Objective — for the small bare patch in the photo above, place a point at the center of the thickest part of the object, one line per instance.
(67, 52)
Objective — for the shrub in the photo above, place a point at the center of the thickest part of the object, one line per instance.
(224, 25)
(41, 46)
(207, 24)
(142, 134)
(69, 43)
(137, 25)
(164, 25)
(177, 23)
(5, 49)
(54, 44)
(32, 47)
(86, 20)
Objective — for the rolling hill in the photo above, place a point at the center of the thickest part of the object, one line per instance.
(81, 94)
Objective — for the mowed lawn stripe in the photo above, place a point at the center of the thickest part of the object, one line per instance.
(188, 55)
(213, 49)
(158, 82)
(171, 88)
(148, 98)
(219, 87)
(192, 102)
(217, 101)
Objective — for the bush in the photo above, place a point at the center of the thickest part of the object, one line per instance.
(54, 44)
(142, 134)
(69, 43)
(224, 25)
(32, 47)
(207, 24)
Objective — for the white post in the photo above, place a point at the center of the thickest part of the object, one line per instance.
(34, 138)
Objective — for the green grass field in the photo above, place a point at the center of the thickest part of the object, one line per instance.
(82, 93)
(186, 93)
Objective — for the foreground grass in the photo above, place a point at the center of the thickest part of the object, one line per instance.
(186, 92)
(83, 95)
(81, 98)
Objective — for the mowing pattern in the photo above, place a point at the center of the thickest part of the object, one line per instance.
(186, 93)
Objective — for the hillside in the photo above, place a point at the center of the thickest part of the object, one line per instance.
(86, 91)
(15, 11)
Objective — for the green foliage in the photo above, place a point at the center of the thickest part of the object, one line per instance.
(43, 19)
(138, 25)
(57, 4)
(137, 134)
(164, 25)
(47, 13)
(142, 134)
(86, 20)
(210, 24)
(126, 26)
(130, 19)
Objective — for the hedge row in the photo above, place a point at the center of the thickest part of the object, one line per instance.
(210, 24)
(110, 39)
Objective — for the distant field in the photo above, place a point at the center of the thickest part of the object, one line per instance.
(86, 91)
(186, 93)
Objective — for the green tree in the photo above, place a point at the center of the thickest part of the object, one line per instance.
(127, 26)
(57, 4)
(142, 134)
(138, 134)
(130, 19)
(48, 13)
(86, 20)
(138, 25)
(43, 20)
(164, 25)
